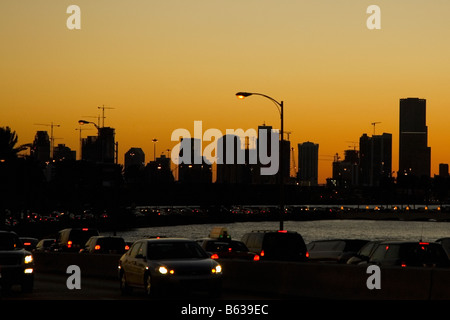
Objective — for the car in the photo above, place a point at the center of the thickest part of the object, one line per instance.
(445, 242)
(334, 250)
(158, 265)
(16, 263)
(29, 243)
(105, 244)
(45, 245)
(364, 254)
(279, 245)
(409, 254)
(73, 239)
(227, 249)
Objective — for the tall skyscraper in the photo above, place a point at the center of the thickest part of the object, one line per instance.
(414, 153)
(231, 160)
(375, 159)
(40, 149)
(308, 163)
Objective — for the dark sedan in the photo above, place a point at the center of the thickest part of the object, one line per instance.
(158, 265)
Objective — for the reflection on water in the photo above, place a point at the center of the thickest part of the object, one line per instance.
(310, 230)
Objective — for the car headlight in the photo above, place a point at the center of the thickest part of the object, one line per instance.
(217, 269)
(28, 259)
(164, 270)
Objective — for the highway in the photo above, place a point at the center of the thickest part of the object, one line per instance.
(53, 287)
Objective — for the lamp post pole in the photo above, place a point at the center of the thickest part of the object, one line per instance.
(280, 107)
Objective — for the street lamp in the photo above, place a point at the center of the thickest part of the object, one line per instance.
(154, 148)
(82, 122)
(242, 95)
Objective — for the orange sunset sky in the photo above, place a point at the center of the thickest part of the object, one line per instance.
(164, 64)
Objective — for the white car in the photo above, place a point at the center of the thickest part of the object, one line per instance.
(158, 265)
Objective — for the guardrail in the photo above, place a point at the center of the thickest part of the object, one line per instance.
(285, 279)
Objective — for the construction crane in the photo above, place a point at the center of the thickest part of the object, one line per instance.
(52, 139)
(103, 113)
(374, 124)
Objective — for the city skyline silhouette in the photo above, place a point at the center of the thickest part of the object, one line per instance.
(163, 66)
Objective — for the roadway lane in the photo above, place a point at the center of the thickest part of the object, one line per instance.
(53, 287)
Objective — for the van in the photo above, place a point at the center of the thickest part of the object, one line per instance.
(280, 245)
(74, 239)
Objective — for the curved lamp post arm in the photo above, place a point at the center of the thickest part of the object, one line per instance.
(242, 95)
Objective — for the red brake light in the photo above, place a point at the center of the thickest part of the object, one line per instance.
(424, 243)
(387, 248)
(27, 243)
(282, 231)
(262, 253)
(127, 247)
(69, 244)
(403, 264)
(85, 229)
(215, 256)
(97, 247)
(256, 258)
(307, 254)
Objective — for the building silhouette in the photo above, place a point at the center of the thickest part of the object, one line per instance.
(134, 157)
(193, 168)
(159, 171)
(101, 148)
(62, 152)
(414, 153)
(443, 170)
(40, 149)
(346, 172)
(375, 159)
(308, 163)
(232, 160)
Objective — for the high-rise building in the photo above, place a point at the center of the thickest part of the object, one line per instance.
(443, 170)
(375, 159)
(232, 163)
(40, 149)
(308, 163)
(134, 157)
(101, 148)
(414, 153)
(193, 168)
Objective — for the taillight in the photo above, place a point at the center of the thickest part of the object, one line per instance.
(85, 229)
(307, 254)
(282, 231)
(69, 244)
(214, 256)
(127, 247)
(403, 264)
(262, 253)
(97, 247)
(256, 257)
